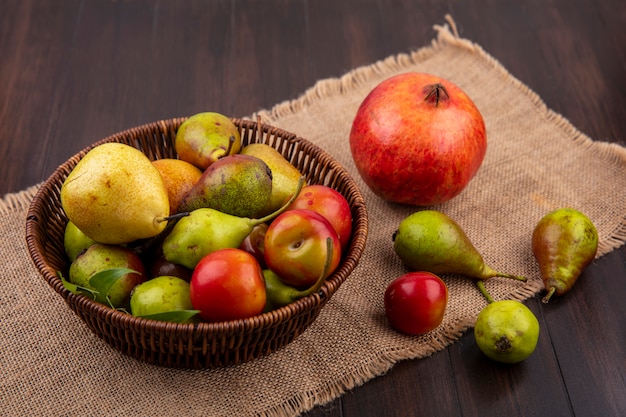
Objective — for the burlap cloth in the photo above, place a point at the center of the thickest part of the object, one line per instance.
(51, 364)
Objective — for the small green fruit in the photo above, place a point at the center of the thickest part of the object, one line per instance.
(205, 137)
(75, 241)
(160, 295)
(506, 331)
(99, 257)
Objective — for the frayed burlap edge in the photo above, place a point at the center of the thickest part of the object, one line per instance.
(331, 87)
(366, 371)
(385, 360)
(447, 34)
(18, 201)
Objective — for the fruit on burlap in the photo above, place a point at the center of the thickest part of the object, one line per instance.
(285, 176)
(178, 178)
(417, 139)
(239, 185)
(205, 137)
(115, 195)
(506, 331)
(100, 257)
(429, 240)
(564, 242)
(415, 302)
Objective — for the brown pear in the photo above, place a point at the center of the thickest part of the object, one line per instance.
(564, 242)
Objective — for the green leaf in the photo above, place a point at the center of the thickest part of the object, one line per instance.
(178, 316)
(103, 280)
(76, 289)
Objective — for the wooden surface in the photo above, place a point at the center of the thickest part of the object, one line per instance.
(72, 72)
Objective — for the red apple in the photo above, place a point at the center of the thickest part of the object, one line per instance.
(331, 204)
(417, 139)
(416, 302)
(227, 284)
(296, 247)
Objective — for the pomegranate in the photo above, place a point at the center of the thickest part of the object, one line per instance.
(417, 139)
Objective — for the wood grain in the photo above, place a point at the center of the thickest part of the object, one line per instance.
(72, 72)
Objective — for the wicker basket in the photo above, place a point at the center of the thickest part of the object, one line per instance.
(200, 345)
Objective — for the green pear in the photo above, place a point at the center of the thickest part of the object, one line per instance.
(285, 176)
(239, 185)
(205, 137)
(431, 241)
(564, 242)
(506, 331)
(75, 241)
(206, 230)
(160, 294)
(115, 195)
(99, 257)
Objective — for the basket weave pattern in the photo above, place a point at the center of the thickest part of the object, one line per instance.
(198, 345)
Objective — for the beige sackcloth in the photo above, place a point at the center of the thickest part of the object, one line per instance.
(536, 161)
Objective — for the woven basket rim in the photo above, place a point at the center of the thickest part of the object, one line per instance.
(272, 318)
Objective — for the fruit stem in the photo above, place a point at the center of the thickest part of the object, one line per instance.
(231, 142)
(435, 93)
(550, 293)
(483, 290)
(329, 258)
(488, 272)
(517, 277)
(284, 207)
(172, 217)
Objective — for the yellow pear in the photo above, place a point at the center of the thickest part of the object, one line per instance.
(285, 176)
(115, 195)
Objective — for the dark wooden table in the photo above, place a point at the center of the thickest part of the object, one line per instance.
(73, 71)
